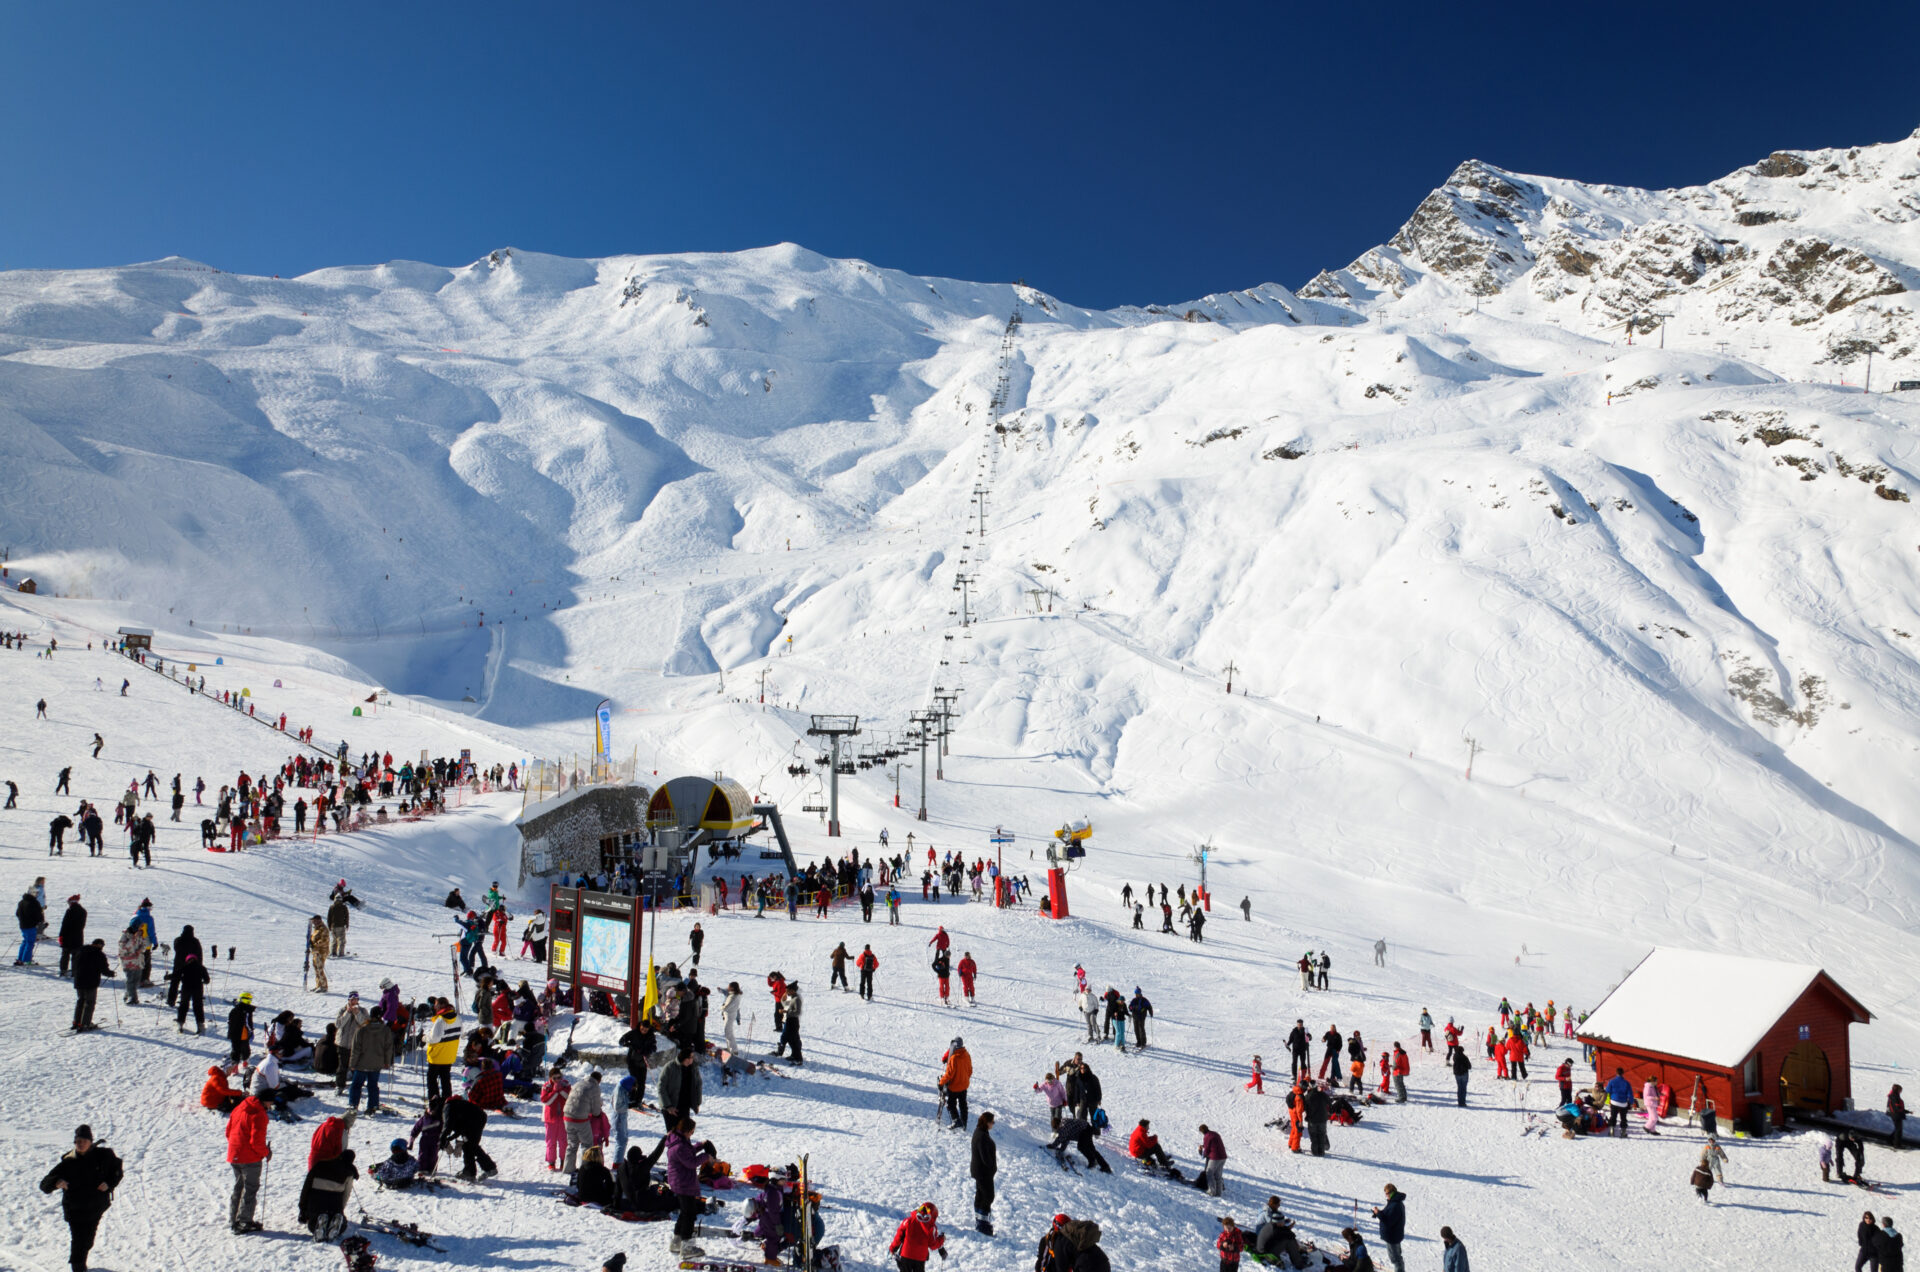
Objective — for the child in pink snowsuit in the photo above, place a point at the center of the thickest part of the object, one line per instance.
(1257, 1083)
(553, 1101)
(1650, 1099)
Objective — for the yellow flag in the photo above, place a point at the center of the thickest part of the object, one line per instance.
(652, 999)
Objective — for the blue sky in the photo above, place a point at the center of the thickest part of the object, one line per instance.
(1109, 153)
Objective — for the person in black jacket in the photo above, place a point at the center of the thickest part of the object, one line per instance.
(323, 1197)
(89, 966)
(1461, 1067)
(1298, 1047)
(1055, 1253)
(984, 1165)
(85, 1180)
(1084, 1236)
(1078, 1132)
(240, 1029)
(189, 979)
(73, 932)
(1890, 1246)
(184, 944)
(1319, 1109)
(467, 1122)
(31, 915)
(57, 835)
(1083, 1095)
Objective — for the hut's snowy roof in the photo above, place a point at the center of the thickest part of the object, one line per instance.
(1709, 1007)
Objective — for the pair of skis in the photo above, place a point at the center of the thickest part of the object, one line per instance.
(407, 1232)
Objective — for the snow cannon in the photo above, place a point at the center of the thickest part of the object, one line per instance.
(1074, 835)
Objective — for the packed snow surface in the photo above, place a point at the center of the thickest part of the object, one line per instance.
(1434, 511)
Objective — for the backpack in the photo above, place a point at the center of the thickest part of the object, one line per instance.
(329, 1141)
(1100, 1122)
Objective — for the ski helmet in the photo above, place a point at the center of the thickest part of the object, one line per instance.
(930, 1210)
(957, 1044)
(396, 1144)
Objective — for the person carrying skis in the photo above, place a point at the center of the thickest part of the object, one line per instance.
(918, 1236)
(868, 963)
(1139, 1008)
(956, 1075)
(968, 970)
(85, 1179)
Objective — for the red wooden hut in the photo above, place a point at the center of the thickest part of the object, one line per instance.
(1742, 1032)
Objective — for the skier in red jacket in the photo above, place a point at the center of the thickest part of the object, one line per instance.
(968, 970)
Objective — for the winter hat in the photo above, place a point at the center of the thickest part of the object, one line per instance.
(617, 1263)
(83, 1132)
(74, 897)
(386, 982)
(145, 902)
(1136, 989)
(353, 996)
(957, 1044)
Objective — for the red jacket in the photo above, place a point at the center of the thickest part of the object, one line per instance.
(917, 1238)
(1230, 1243)
(968, 968)
(1211, 1149)
(247, 1133)
(217, 1090)
(1402, 1064)
(1139, 1144)
(867, 961)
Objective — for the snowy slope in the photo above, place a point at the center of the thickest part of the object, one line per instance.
(1668, 593)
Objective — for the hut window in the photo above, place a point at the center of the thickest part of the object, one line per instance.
(1751, 1073)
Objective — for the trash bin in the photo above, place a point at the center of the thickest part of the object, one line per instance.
(1760, 1121)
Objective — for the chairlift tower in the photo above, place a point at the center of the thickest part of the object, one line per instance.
(834, 728)
(961, 582)
(924, 724)
(943, 703)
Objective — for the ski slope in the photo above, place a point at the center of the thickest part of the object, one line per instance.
(1434, 509)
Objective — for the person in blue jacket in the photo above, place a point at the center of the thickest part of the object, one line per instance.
(143, 919)
(1454, 1256)
(1393, 1225)
(1619, 1102)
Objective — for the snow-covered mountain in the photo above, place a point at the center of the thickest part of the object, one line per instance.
(1806, 258)
(1429, 497)
(1655, 583)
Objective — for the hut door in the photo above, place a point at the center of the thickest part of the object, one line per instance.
(1805, 1080)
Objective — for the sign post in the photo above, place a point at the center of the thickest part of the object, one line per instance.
(1000, 839)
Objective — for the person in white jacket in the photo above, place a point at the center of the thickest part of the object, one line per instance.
(730, 1020)
(1089, 1008)
(583, 1105)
